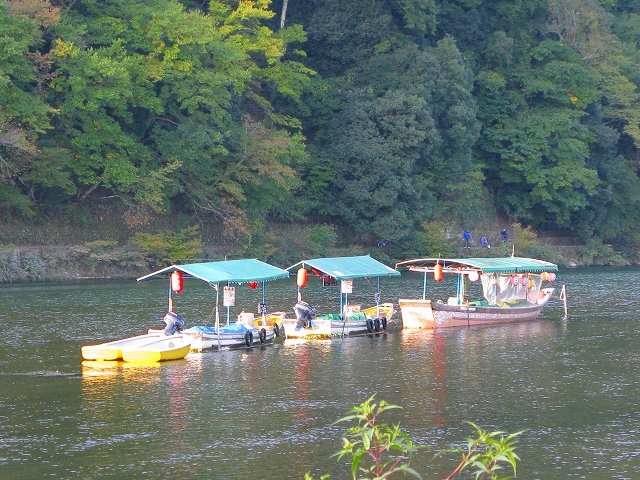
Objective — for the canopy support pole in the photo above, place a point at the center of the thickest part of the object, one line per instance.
(216, 286)
(263, 307)
(424, 286)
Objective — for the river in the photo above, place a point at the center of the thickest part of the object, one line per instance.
(268, 412)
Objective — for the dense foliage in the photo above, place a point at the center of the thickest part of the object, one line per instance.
(379, 117)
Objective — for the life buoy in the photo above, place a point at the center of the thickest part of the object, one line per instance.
(376, 324)
(369, 323)
(276, 330)
(383, 320)
(263, 335)
(437, 272)
(248, 339)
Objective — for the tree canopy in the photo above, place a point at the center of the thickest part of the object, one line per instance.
(372, 116)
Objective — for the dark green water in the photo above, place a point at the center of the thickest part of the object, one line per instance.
(573, 384)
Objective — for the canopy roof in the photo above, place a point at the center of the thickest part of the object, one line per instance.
(231, 271)
(342, 268)
(483, 265)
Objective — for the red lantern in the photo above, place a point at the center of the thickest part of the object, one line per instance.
(176, 281)
(437, 272)
(514, 280)
(523, 281)
(302, 277)
(253, 284)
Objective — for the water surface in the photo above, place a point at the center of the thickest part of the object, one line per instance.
(268, 412)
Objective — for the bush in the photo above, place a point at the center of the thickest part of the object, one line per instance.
(170, 247)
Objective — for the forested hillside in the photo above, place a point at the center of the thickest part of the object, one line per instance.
(353, 120)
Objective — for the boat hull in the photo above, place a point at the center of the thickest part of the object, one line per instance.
(202, 341)
(423, 314)
(113, 350)
(326, 329)
(172, 347)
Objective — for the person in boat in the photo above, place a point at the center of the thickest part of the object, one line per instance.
(484, 242)
(304, 314)
(174, 322)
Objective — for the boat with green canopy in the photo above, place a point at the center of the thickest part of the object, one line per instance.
(345, 274)
(511, 288)
(248, 329)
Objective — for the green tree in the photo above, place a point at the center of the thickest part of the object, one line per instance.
(152, 101)
(377, 189)
(24, 116)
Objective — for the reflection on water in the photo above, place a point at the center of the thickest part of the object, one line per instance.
(268, 412)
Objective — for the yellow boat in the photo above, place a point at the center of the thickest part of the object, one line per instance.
(173, 347)
(113, 350)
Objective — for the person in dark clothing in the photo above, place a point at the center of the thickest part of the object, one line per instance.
(504, 235)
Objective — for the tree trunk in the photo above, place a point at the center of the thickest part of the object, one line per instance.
(283, 16)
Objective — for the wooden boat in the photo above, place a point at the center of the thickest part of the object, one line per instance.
(172, 347)
(246, 331)
(512, 289)
(113, 350)
(354, 319)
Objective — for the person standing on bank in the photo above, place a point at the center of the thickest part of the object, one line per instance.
(467, 238)
(504, 235)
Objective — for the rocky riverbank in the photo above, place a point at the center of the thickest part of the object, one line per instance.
(103, 260)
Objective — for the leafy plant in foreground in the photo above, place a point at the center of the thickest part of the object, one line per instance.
(487, 453)
(378, 450)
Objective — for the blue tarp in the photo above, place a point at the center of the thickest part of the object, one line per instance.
(233, 328)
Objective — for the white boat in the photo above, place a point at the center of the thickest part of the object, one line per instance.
(355, 320)
(246, 331)
(511, 286)
(163, 348)
(113, 350)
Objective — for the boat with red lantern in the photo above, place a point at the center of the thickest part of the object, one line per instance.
(344, 274)
(248, 329)
(511, 288)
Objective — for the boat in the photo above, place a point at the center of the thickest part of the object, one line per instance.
(511, 287)
(248, 329)
(113, 350)
(353, 319)
(164, 348)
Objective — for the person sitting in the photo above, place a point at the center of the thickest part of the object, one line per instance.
(484, 242)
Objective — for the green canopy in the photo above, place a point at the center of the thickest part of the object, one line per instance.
(485, 265)
(229, 271)
(342, 268)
